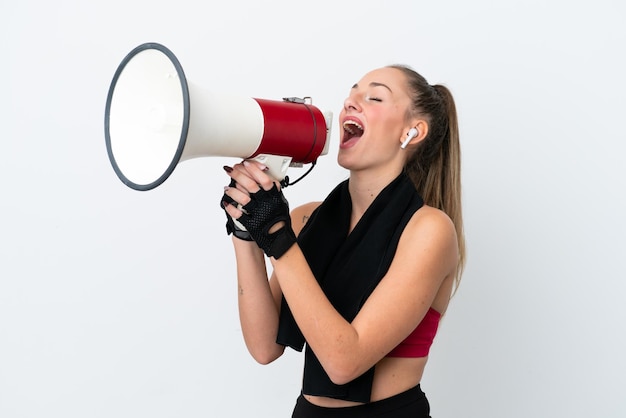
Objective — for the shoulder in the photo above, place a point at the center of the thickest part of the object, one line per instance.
(430, 217)
(301, 214)
(431, 231)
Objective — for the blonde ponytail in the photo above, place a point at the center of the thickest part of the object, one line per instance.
(435, 165)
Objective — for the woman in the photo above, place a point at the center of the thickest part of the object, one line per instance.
(373, 267)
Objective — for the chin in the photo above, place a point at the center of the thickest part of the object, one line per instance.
(343, 161)
(349, 162)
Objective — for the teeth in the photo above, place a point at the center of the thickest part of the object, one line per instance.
(349, 126)
(351, 122)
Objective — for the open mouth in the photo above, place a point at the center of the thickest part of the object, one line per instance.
(351, 130)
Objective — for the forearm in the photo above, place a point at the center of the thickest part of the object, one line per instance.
(333, 339)
(265, 214)
(258, 306)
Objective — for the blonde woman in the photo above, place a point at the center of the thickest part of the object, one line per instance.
(361, 279)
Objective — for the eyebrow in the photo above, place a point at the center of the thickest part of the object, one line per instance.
(374, 84)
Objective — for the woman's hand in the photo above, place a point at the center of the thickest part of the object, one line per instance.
(256, 201)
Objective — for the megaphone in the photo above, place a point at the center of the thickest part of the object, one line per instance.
(155, 119)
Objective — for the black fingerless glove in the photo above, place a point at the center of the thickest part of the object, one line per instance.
(232, 227)
(265, 209)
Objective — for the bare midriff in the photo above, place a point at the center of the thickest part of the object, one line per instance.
(393, 375)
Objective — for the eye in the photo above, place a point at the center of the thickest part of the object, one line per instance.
(373, 99)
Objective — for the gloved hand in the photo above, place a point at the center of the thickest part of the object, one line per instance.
(233, 227)
(266, 209)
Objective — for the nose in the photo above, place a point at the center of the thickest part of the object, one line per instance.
(351, 103)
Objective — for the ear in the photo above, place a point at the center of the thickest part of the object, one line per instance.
(422, 132)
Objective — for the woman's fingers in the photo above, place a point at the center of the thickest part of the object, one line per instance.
(232, 211)
(242, 178)
(258, 172)
(250, 176)
(239, 196)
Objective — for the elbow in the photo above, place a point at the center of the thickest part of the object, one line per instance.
(344, 363)
(267, 356)
(340, 378)
(263, 360)
(342, 372)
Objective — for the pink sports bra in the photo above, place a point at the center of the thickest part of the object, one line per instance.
(418, 343)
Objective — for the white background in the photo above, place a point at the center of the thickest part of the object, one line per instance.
(117, 303)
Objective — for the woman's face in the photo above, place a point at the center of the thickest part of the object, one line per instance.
(373, 119)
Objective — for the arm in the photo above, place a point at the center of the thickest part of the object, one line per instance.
(426, 257)
(259, 300)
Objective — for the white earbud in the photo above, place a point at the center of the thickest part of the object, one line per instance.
(409, 136)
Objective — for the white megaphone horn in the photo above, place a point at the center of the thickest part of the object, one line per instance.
(154, 120)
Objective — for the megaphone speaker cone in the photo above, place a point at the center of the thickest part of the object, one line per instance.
(147, 116)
